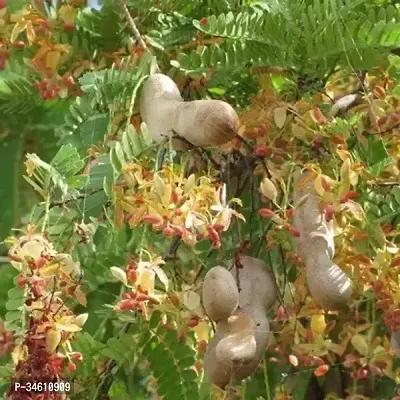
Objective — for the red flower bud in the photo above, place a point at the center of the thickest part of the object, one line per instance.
(71, 367)
(262, 150)
(151, 219)
(168, 231)
(77, 356)
(174, 197)
(213, 235)
(218, 227)
(21, 281)
(69, 26)
(329, 212)
(192, 323)
(294, 232)
(338, 140)
(202, 346)
(266, 212)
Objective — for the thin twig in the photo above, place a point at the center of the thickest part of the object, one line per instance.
(133, 26)
(79, 197)
(199, 150)
(170, 253)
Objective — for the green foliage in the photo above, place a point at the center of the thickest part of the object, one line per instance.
(15, 306)
(310, 38)
(18, 95)
(176, 378)
(10, 151)
(384, 208)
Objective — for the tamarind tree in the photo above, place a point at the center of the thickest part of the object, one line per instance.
(199, 199)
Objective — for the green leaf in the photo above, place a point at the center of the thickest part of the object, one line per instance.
(302, 382)
(67, 161)
(14, 304)
(77, 182)
(376, 156)
(217, 91)
(94, 129)
(12, 316)
(99, 171)
(119, 153)
(94, 204)
(115, 161)
(10, 165)
(107, 186)
(134, 140)
(396, 194)
(15, 293)
(396, 90)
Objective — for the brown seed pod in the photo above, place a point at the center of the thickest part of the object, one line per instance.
(232, 346)
(200, 122)
(240, 342)
(329, 285)
(220, 294)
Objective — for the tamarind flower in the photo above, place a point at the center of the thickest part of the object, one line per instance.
(147, 271)
(193, 209)
(30, 248)
(225, 213)
(49, 280)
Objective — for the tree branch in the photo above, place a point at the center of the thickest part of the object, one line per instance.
(79, 197)
(133, 26)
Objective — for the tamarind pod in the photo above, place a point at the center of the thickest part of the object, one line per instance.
(330, 287)
(220, 294)
(256, 284)
(199, 122)
(234, 356)
(308, 219)
(260, 327)
(206, 122)
(240, 342)
(232, 345)
(257, 294)
(239, 345)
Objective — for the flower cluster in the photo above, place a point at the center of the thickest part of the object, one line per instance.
(139, 278)
(191, 208)
(48, 279)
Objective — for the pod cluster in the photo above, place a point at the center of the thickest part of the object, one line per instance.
(237, 301)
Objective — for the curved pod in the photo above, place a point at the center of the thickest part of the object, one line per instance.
(232, 347)
(201, 122)
(330, 287)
